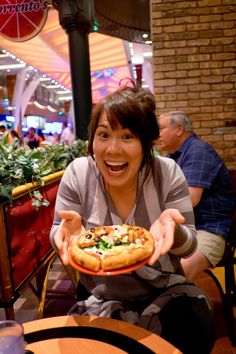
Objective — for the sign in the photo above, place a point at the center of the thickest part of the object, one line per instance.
(22, 20)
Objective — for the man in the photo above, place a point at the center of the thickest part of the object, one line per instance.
(210, 189)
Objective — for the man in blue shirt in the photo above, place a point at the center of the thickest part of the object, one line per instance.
(210, 189)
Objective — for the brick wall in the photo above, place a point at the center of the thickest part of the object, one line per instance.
(194, 67)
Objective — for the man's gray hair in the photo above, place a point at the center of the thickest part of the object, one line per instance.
(179, 117)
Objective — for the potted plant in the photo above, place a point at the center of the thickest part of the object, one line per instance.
(28, 168)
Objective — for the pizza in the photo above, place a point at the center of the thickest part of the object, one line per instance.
(112, 247)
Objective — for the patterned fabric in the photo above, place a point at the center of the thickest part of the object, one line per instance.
(82, 190)
(141, 314)
(203, 167)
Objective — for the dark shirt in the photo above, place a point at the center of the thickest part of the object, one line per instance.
(203, 167)
(33, 144)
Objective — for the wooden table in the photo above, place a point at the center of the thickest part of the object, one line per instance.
(92, 335)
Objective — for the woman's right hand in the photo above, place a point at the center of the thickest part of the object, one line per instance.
(71, 224)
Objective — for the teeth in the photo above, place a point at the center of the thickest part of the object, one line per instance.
(115, 163)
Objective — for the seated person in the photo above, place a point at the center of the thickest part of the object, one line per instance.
(210, 189)
(122, 182)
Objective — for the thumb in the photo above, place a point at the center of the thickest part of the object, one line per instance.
(68, 214)
(177, 216)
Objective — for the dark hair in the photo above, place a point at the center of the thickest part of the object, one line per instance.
(3, 128)
(32, 128)
(40, 133)
(132, 108)
(15, 134)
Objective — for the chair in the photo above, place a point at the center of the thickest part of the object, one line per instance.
(228, 262)
(47, 293)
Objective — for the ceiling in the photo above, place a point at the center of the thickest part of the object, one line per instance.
(47, 53)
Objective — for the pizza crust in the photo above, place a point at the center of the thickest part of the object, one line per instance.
(85, 260)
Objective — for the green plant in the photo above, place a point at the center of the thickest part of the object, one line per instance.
(21, 165)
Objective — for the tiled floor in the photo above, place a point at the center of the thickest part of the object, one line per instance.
(26, 305)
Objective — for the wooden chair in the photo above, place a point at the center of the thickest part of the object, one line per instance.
(228, 263)
(47, 293)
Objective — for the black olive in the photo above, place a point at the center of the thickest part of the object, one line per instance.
(118, 243)
(97, 239)
(88, 236)
(92, 229)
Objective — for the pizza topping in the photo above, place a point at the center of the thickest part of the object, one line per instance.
(105, 241)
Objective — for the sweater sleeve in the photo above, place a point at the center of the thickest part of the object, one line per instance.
(176, 195)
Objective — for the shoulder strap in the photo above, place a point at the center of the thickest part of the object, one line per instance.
(158, 181)
(87, 184)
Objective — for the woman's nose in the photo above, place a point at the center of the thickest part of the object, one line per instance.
(114, 145)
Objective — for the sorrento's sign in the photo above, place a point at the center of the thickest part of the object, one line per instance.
(22, 20)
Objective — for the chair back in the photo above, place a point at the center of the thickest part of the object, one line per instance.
(230, 244)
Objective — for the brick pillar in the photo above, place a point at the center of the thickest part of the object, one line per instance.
(194, 66)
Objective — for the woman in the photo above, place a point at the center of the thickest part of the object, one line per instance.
(122, 182)
(32, 139)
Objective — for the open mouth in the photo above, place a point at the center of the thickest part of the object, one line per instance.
(116, 166)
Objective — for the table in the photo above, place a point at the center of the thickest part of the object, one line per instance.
(91, 334)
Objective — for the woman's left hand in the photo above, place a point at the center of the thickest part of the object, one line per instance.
(163, 231)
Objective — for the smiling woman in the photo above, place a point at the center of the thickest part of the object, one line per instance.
(121, 182)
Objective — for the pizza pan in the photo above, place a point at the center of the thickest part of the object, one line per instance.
(108, 272)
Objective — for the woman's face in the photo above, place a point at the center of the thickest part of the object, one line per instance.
(118, 154)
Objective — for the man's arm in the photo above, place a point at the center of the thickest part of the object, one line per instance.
(195, 194)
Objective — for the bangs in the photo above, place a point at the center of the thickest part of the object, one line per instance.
(124, 115)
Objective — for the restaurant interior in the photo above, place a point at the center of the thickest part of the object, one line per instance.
(184, 52)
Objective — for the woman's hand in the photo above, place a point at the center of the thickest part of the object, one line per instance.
(163, 230)
(70, 224)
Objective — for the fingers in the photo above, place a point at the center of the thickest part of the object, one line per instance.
(62, 246)
(168, 239)
(157, 252)
(174, 214)
(71, 222)
(163, 231)
(64, 254)
(58, 239)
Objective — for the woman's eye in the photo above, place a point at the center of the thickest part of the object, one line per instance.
(102, 135)
(128, 136)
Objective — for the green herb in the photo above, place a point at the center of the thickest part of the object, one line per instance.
(103, 245)
(19, 166)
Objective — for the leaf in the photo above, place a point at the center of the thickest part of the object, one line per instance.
(19, 166)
